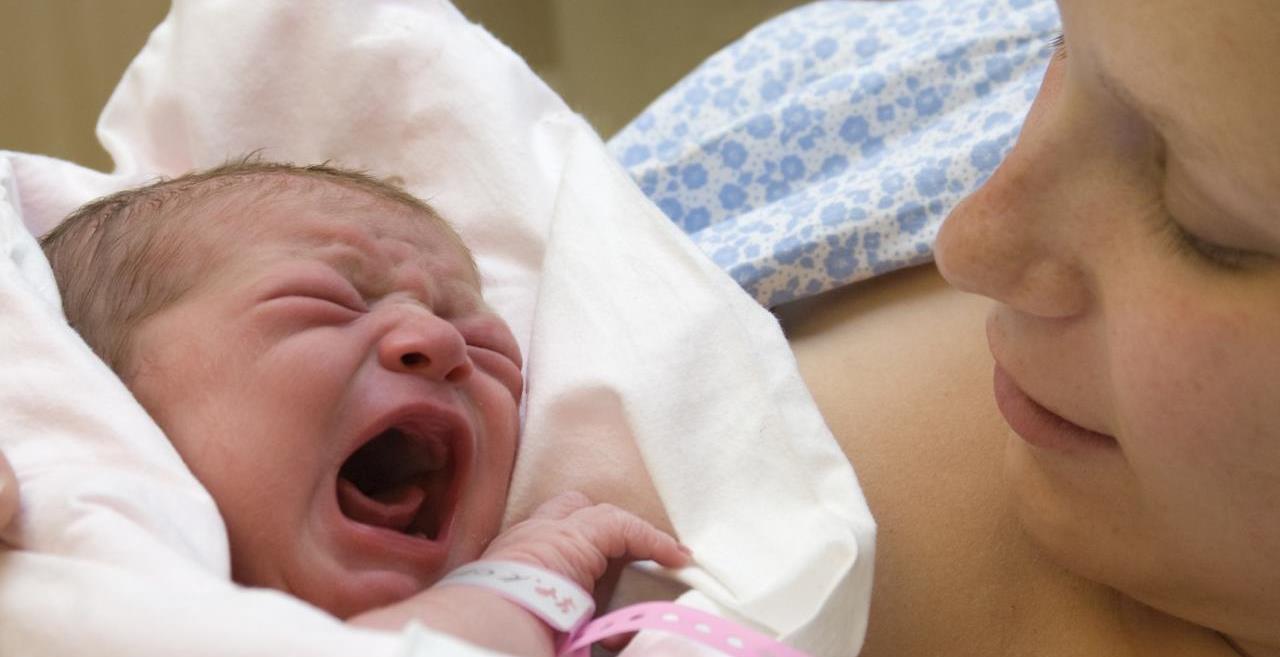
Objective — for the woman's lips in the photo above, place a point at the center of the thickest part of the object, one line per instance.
(1038, 425)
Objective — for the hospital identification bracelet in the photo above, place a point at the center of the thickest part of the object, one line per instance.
(567, 608)
(559, 602)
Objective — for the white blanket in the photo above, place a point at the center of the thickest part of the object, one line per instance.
(632, 339)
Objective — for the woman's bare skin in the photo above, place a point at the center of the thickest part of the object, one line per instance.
(900, 369)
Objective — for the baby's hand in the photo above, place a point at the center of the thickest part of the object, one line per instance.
(568, 535)
(573, 537)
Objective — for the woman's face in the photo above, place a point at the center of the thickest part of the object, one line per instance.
(1132, 240)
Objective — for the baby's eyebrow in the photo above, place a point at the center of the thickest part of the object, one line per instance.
(348, 250)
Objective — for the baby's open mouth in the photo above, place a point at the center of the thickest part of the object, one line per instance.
(399, 480)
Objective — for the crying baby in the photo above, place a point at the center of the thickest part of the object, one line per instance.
(315, 344)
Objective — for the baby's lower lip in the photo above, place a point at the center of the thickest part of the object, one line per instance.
(371, 543)
(379, 543)
(1038, 425)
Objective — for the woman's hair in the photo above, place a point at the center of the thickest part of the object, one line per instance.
(122, 258)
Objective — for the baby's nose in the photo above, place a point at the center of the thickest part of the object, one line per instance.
(422, 343)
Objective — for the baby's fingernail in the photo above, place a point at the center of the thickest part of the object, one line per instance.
(684, 548)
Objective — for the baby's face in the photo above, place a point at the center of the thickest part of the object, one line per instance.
(338, 385)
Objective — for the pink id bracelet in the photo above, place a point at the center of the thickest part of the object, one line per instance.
(708, 629)
(566, 607)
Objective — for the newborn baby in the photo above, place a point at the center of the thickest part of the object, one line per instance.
(315, 344)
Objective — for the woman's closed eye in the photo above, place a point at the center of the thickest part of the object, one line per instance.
(1223, 257)
(1199, 231)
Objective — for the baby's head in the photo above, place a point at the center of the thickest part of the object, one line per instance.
(315, 345)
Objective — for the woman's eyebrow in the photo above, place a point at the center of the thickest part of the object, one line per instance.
(1156, 115)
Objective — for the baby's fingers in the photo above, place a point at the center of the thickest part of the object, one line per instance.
(619, 534)
(561, 506)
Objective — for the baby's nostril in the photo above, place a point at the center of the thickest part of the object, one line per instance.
(413, 360)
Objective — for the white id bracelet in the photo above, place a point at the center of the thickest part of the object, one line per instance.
(559, 602)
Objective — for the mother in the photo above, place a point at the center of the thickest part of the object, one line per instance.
(1119, 493)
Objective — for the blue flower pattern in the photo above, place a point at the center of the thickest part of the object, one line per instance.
(826, 146)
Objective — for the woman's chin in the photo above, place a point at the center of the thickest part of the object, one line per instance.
(1087, 528)
(1056, 521)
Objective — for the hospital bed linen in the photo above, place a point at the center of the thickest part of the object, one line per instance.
(630, 334)
(826, 146)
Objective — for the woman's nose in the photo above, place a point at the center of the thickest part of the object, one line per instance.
(997, 249)
(424, 344)
(1013, 240)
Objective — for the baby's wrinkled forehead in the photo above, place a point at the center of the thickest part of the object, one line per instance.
(345, 217)
(381, 244)
(385, 249)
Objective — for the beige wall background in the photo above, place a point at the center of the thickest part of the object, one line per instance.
(60, 59)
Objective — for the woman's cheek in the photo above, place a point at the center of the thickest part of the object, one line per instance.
(1178, 384)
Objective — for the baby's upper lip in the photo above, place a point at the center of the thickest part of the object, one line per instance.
(422, 421)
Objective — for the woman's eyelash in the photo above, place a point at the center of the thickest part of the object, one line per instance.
(1186, 244)
(1059, 45)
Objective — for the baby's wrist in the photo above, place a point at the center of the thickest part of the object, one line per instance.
(558, 605)
(556, 600)
(490, 620)
(474, 614)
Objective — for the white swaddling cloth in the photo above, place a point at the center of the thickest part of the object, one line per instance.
(632, 339)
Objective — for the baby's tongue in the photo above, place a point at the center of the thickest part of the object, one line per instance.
(393, 508)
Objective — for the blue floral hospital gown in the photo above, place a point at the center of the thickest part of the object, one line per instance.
(827, 145)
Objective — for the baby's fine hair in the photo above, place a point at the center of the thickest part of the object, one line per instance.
(120, 259)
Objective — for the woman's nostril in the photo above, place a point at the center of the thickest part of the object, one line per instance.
(414, 360)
